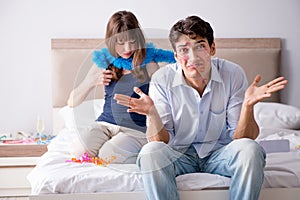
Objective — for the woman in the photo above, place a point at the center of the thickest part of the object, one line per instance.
(128, 62)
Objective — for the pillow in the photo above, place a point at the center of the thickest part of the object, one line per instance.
(276, 134)
(277, 115)
(82, 115)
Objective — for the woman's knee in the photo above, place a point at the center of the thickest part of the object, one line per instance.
(92, 138)
(123, 148)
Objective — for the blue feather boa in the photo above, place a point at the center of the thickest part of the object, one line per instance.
(103, 58)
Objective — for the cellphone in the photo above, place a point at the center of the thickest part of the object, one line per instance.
(273, 146)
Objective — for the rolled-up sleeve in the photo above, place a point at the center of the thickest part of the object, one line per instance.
(238, 88)
(158, 93)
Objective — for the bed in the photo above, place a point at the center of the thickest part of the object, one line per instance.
(54, 178)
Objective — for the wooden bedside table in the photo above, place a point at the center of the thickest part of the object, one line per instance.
(16, 162)
(22, 150)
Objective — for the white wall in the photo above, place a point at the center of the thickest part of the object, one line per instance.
(26, 27)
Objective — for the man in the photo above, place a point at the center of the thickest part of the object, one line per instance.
(203, 118)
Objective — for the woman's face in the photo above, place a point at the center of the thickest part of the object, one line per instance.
(125, 48)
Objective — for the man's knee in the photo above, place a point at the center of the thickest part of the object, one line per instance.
(154, 156)
(249, 150)
(248, 145)
(153, 147)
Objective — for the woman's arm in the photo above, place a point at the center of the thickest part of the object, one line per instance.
(151, 68)
(94, 77)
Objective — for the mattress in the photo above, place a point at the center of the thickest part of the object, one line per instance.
(54, 175)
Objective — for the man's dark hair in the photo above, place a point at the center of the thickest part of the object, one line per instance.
(192, 26)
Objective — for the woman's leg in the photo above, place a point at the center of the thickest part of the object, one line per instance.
(124, 146)
(91, 138)
(243, 160)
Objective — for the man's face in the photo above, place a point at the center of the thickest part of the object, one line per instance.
(194, 56)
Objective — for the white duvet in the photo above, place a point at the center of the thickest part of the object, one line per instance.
(53, 175)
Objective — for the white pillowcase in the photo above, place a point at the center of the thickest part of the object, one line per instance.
(82, 115)
(277, 115)
(267, 114)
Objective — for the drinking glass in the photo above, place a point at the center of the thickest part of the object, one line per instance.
(40, 127)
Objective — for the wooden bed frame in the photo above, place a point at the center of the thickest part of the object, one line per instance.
(72, 57)
(71, 60)
(266, 194)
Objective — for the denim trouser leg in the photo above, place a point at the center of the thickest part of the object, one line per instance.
(243, 160)
(159, 165)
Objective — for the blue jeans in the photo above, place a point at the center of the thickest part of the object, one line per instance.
(243, 160)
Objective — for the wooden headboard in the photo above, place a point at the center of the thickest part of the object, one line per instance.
(72, 58)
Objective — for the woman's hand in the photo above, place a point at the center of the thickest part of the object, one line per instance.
(97, 77)
(94, 78)
(105, 77)
(142, 105)
(255, 94)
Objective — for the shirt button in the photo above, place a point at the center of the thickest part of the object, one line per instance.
(201, 112)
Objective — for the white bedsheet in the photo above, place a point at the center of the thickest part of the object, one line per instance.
(53, 175)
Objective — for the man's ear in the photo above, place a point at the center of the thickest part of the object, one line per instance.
(213, 49)
(176, 56)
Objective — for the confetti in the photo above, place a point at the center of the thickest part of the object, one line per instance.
(85, 158)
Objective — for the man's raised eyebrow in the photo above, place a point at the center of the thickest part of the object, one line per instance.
(183, 45)
(199, 41)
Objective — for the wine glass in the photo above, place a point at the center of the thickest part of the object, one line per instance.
(40, 127)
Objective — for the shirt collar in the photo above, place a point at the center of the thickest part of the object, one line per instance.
(215, 75)
(179, 79)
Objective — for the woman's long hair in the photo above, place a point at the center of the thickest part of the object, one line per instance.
(124, 25)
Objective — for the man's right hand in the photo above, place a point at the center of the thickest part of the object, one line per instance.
(142, 105)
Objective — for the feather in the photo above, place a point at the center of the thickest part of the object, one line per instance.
(103, 58)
